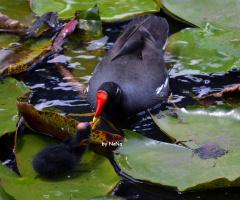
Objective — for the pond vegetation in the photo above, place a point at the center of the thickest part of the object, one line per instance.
(190, 142)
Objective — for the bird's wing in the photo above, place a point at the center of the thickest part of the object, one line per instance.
(120, 46)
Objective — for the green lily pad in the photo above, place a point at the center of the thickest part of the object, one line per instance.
(219, 13)
(196, 125)
(94, 177)
(4, 195)
(196, 51)
(109, 10)
(175, 166)
(108, 197)
(18, 10)
(10, 90)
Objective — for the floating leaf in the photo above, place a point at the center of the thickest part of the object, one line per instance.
(64, 33)
(99, 137)
(95, 177)
(109, 10)
(4, 195)
(18, 10)
(175, 166)
(10, 90)
(108, 197)
(47, 122)
(24, 57)
(230, 95)
(196, 125)
(220, 13)
(103, 142)
(196, 51)
(44, 23)
(7, 23)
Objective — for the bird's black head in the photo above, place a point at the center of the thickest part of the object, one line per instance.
(109, 96)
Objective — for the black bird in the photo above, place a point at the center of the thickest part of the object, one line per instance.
(132, 76)
(63, 157)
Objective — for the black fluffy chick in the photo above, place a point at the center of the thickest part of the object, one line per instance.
(61, 158)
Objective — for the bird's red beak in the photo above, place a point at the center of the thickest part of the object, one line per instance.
(102, 97)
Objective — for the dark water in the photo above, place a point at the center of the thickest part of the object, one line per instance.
(50, 90)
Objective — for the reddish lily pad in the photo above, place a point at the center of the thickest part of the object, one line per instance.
(47, 122)
(19, 59)
(103, 142)
(229, 95)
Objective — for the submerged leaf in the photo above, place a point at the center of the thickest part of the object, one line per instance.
(47, 122)
(97, 44)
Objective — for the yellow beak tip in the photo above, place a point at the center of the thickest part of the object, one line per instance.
(94, 119)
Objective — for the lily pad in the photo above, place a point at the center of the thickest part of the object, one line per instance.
(47, 122)
(229, 95)
(18, 10)
(4, 195)
(108, 197)
(10, 90)
(19, 59)
(176, 166)
(103, 142)
(109, 10)
(208, 50)
(95, 177)
(220, 13)
(197, 125)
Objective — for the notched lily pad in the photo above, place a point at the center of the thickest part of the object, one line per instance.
(210, 150)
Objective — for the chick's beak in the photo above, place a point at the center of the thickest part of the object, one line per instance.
(102, 97)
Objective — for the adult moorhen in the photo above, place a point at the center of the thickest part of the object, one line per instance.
(132, 76)
(60, 158)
